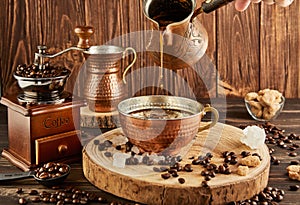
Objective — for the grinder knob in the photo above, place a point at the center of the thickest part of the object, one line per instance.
(84, 33)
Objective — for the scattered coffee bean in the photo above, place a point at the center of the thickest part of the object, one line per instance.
(276, 162)
(293, 154)
(96, 142)
(165, 176)
(188, 168)
(22, 201)
(35, 199)
(245, 153)
(204, 184)
(19, 191)
(108, 154)
(294, 162)
(181, 180)
(60, 202)
(156, 169)
(294, 187)
(227, 171)
(101, 200)
(207, 178)
(52, 200)
(33, 192)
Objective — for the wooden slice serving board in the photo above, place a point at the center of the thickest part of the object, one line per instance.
(141, 184)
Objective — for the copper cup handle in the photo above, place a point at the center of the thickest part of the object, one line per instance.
(213, 122)
(132, 62)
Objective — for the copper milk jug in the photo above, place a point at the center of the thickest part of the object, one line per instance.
(184, 38)
(103, 87)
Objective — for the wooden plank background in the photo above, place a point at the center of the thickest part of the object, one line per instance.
(247, 51)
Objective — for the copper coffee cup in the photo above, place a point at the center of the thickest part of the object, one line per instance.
(146, 122)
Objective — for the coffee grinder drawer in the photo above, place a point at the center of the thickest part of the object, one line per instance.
(57, 147)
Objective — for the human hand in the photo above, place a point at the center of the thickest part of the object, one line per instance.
(242, 5)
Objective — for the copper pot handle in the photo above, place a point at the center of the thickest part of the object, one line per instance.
(130, 64)
(213, 122)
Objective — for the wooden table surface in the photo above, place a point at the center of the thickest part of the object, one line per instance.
(232, 112)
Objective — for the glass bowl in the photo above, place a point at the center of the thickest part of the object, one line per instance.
(268, 113)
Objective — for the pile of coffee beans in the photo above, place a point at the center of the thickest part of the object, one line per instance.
(61, 196)
(51, 170)
(269, 195)
(34, 71)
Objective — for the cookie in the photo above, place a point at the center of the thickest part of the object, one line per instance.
(250, 161)
(294, 172)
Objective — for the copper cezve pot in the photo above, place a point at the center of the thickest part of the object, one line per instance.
(183, 37)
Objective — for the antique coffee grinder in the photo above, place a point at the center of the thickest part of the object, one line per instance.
(44, 120)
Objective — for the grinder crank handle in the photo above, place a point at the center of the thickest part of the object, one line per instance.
(210, 5)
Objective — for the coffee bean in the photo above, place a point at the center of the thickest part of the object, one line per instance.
(212, 174)
(156, 169)
(294, 162)
(52, 200)
(196, 161)
(210, 155)
(108, 154)
(293, 154)
(227, 171)
(291, 148)
(96, 142)
(101, 147)
(33, 192)
(278, 198)
(245, 153)
(276, 162)
(294, 187)
(181, 180)
(46, 199)
(165, 176)
(102, 200)
(225, 154)
(68, 200)
(175, 174)
(221, 169)
(35, 199)
(75, 201)
(60, 202)
(19, 191)
(188, 168)
(22, 201)
(204, 184)
(207, 178)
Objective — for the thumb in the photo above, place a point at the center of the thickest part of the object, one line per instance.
(241, 5)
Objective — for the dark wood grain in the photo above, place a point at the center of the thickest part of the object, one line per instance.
(248, 50)
(280, 56)
(238, 49)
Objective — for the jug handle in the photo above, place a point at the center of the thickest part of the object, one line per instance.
(209, 5)
(132, 62)
(215, 113)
